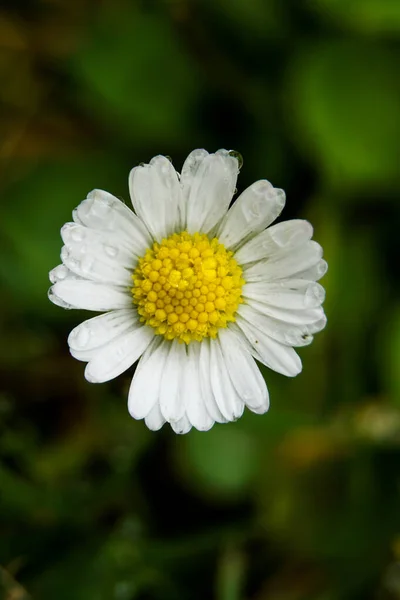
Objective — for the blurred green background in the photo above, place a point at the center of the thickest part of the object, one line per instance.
(299, 504)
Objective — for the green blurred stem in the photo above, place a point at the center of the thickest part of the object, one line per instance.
(230, 574)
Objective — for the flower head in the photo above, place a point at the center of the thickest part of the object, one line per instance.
(192, 290)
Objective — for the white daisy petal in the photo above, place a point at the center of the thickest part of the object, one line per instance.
(113, 248)
(318, 325)
(296, 317)
(98, 331)
(118, 355)
(289, 334)
(256, 208)
(274, 355)
(171, 401)
(58, 301)
(277, 239)
(166, 287)
(314, 273)
(188, 174)
(204, 357)
(105, 212)
(182, 426)
(154, 419)
(60, 273)
(285, 264)
(156, 196)
(97, 255)
(289, 294)
(90, 265)
(226, 396)
(244, 373)
(144, 391)
(195, 406)
(209, 184)
(90, 295)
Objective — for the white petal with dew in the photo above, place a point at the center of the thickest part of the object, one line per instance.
(61, 272)
(91, 262)
(226, 396)
(256, 208)
(278, 239)
(120, 354)
(314, 273)
(289, 334)
(156, 196)
(144, 391)
(202, 349)
(289, 294)
(208, 184)
(285, 264)
(171, 400)
(154, 419)
(244, 373)
(113, 248)
(181, 426)
(104, 212)
(85, 339)
(90, 295)
(296, 317)
(195, 405)
(279, 358)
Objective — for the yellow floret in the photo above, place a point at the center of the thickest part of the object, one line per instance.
(187, 286)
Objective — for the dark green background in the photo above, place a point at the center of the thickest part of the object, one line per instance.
(298, 504)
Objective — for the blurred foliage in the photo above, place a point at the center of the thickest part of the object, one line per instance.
(299, 504)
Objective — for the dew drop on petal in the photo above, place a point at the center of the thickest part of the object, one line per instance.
(82, 336)
(58, 274)
(77, 235)
(111, 251)
(314, 295)
(238, 157)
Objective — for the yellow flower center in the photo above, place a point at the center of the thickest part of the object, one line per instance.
(187, 286)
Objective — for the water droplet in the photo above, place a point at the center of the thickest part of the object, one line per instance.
(86, 264)
(77, 234)
(253, 211)
(322, 268)
(82, 336)
(238, 157)
(56, 300)
(280, 235)
(64, 253)
(168, 158)
(291, 337)
(58, 273)
(314, 295)
(111, 251)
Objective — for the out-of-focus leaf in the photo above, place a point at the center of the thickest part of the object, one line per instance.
(145, 90)
(254, 18)
(34, 212)
(346, 107)
(221, 463)
(389, 355)
(371, 16)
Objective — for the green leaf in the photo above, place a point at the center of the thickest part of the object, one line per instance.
(222, 462)
(371, 16)
(136, 77)
(346, 109)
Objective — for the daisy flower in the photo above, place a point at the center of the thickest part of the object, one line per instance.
(194, 290)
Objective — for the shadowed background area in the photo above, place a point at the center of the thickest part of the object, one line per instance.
(303, 502)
